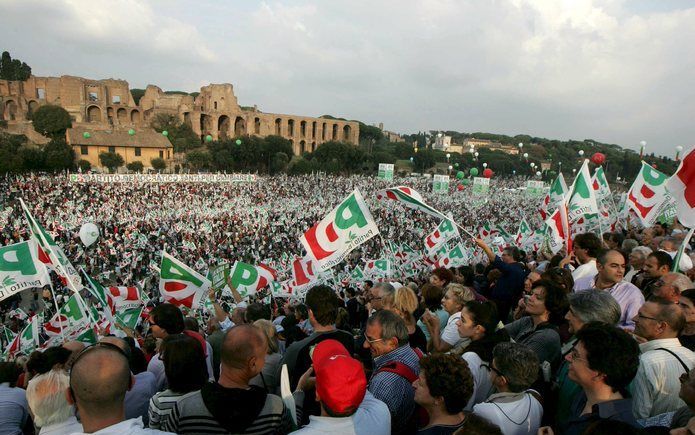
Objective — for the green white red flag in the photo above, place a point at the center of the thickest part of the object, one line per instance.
(303, 271)
(681, 186)
(247, 279)
(446, 230)
(457, 256)
(72, 316)
(346, 227)
(409, 198)
(648, 196)
(557, 230)
(581, 198)
(51, 254)
(554, 197)
(20, 269)
(26, 341)
(124, 298)
(181, 285)
(357, 274)
(379, 268)
(524, 232)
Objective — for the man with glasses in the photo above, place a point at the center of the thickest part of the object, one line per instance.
(99, 379)
(611, 269)
(603, 362)
(396, 367)
(670, 286)
(663, 359)
(514, 408)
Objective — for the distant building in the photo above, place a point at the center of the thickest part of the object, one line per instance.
(494, 146)
(442, 142)
(108, 105)
(146, 144)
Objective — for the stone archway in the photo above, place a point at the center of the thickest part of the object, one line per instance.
(239, 126)
(31, 108)
(93, 114)
(290, 127)
(347, 132)
(313, 147)
(187, 118)
(10, 110)
(278, 127)
(302, 147)
(135, 117)
(313, 130)
(323, 131)
(223, 127)
(122, 116)
(257, 125)
(205, 123)
(302, 128)
(334, 136)
(110, 115)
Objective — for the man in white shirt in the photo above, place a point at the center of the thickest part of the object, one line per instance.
(670, 246)
(99, 379)
(585, 248)
(663, 359)
(515, 408)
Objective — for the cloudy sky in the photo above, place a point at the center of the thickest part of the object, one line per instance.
(617, 71)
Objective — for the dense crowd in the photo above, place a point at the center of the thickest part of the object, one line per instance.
(598, 340)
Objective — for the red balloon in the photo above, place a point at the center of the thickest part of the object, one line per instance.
(487, 173)
(598, 158)
(459, 187)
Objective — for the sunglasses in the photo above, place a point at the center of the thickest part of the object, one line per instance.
(490, 368)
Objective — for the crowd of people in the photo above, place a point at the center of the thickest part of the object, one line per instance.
(597, 340)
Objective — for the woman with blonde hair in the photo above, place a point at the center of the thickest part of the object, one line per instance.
(267, 378)
(404, 303)
(444, 340)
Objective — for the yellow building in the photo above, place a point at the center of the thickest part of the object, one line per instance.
(143, 146)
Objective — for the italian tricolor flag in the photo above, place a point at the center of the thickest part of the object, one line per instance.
(180, 285)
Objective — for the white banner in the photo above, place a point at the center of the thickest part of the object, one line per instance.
(162, 178)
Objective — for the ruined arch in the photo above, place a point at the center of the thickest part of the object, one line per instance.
(187, 119)
(278, 126)
(313, 130)
(302, 147)
(31, 108)
(122, 116)
(223, 127)
(10, 110)
(347, 132)
(135, 117)
(257, 125)
(93, 114)
(205, 123)
(110, 115)
(302, 128)
(334, 136)
(313, 147)
(323, 131)
(290, 127)
(239, 126)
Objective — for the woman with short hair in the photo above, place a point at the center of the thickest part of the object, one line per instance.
(448, 338)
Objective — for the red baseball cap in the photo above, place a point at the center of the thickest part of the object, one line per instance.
(340, 380)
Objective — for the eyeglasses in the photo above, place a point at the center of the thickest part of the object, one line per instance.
(642, 316)
(574, 356)
(372, 341)
(490, 368)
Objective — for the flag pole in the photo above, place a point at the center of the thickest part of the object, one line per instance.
(681, 250)
(55, 303)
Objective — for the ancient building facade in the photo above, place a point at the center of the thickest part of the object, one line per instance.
(109, 105)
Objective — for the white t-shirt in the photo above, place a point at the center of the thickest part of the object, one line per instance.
(450, 334)
(514, 413)
(482, 387)
(586, 269)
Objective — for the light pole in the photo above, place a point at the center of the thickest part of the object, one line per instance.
(476, 156)
(447, 157)
(521, 147)
(642, 144)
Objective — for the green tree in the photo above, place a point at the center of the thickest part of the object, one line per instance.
(135, 166)
(13, 69)
(59, 155)
(33, 158)
(424, 159)
(300, 166)
(84, 165)
(51, 120)
(112, 161)
(278, 163)
(158, 164)
(180, 135)
(221, 158)
(198, 159)
(10, 158)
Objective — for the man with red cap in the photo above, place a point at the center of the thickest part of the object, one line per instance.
(341, 390)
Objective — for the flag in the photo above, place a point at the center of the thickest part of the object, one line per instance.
(18, 313)
(681, 186)
(681, 250)
(181, 285)
(20, 269)
(27, 340)
(247, 279)
(406, 252)
(130, 317)
(557, 233)
(581, 198)
(53, 256)
(524, 231)
(408, 197)
(357, 274)
(71, 317)
(458, 256)
(554, 197)
(379, 268)
(303, 271)
(124, 298)
(648, 196)
(347, 226)
(446, 230)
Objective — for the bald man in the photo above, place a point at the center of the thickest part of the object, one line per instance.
(99, 380)
(137, 399)
(231, 405)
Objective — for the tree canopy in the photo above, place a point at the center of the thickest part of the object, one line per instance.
(51, 121)
(13, 69)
